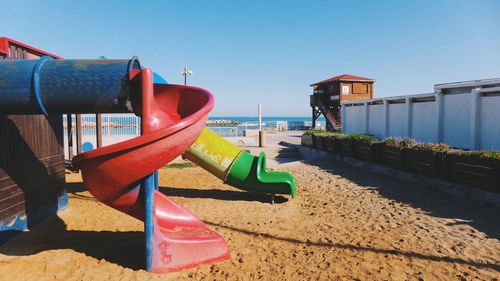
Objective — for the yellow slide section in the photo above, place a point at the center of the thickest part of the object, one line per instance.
(213, 153)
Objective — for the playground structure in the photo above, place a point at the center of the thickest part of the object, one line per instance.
(124, 175)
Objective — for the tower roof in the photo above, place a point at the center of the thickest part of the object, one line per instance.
(344, 77)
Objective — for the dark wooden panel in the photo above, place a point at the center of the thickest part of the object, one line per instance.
(31, 161)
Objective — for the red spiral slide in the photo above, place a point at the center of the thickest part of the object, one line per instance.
(172, 118)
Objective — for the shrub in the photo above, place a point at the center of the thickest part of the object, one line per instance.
(313, 132)
(431, 146)
(413, 144)
(490, 154)
(321, 133)
(362, 138)
(400, 142)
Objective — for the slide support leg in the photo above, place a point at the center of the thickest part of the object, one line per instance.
(148, 187)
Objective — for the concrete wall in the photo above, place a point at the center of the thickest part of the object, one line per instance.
(464, 115)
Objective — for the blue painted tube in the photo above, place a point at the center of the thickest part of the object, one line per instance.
(36, 83)
(156, 180)
(66, 86)
(148, 187)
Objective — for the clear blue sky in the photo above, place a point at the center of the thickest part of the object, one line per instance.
(250, 52)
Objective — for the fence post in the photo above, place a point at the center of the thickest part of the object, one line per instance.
(108, 124)
(69, 128)
(475, 115)
(409, 117)
(367, 118)
(98, 129)
(78, 133)
(136, 129)
(386, 118)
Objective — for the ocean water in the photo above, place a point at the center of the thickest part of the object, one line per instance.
(128, 124)
(265, 118)
(251, 123)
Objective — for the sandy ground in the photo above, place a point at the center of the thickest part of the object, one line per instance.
(346, 224)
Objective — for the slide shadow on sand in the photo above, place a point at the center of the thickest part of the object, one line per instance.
(361, 248)
(122, 248)
(478, 214)
(221, 194)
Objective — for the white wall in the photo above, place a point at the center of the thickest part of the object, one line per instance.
(376, 120)
(456, 118)
(356, 113)
(424, 122)
(397, 120)
(464, 115)
(489, 135)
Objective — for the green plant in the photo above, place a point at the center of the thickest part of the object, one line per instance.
(313, 132)
(321, 133)
(391, 142)
(491, 154)
(430, 146)
(400, 142)
(362, 138)
(407, 143)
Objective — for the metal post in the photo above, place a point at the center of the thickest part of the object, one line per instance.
(148, 188)
(78, 133)
(156, 180)
(313, 118)
(98, 129)
(259, 109)
(69, 125)
(262, 135)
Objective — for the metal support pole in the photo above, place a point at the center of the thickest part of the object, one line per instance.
(259, 109)
(262, 134)
(78, 133)
(69, 128)
(157, 183)
(148, 188)
(98, 129)
(313, 118)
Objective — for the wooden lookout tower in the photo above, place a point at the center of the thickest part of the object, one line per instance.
(328, 95)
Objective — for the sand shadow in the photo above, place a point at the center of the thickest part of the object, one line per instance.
(220, 194)
(122, 248)
(362, 248)
(476, 213)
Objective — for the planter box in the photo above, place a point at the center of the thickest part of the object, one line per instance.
(479, 172)
(317, 142)
(307, 140)
(424, 162)
(333, 145)
(363, 151)
(390, 156)
(346, 148)
(324, 142)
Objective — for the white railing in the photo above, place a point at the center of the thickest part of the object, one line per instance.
(120, 127)
(463, 115)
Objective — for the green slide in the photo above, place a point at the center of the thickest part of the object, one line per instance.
(237, 167)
